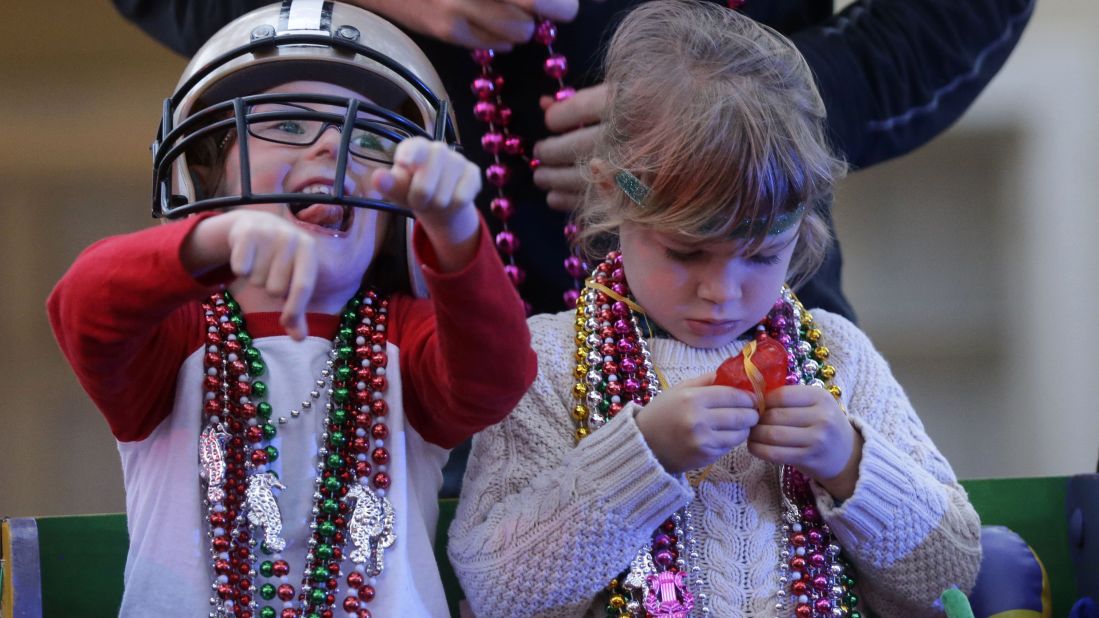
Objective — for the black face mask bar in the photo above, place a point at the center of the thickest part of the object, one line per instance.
(235, 115)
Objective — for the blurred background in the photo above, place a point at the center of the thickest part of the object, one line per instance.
(971, 262)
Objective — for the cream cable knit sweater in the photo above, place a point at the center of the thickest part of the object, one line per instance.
(543, 523)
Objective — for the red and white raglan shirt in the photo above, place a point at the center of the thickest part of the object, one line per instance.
(129, 319)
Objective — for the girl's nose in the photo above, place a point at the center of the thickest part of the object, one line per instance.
(328, 146)
(328, 142)
(721, 283)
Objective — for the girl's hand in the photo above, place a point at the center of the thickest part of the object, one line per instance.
(804, 426)
(439, 186)
(269, 251)
(694, 423)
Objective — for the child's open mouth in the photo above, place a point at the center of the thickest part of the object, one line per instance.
(330, 217)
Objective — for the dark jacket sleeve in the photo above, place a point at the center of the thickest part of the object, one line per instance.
(184, 25)
(895, 73)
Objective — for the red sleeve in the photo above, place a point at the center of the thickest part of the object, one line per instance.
(126, 316)
(465, 354)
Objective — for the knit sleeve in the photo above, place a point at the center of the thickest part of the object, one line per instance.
(536, 505)
(909, 527)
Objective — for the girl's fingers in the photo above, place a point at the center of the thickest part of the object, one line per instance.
(425, 181)
(281, 269)
(791, 417)
(778, 435)
(392, 183)
(242, 256)
(301, 289)
(733, 419)
(449, 175)
(265, 248)
(469, 185)
(782, 455)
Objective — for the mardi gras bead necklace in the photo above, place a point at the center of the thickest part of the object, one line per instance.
(349, 491)
(498, 141)
(614, 367)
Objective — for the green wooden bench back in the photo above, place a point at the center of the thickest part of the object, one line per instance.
(81, 558)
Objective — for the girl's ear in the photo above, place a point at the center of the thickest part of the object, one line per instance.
(602, 175)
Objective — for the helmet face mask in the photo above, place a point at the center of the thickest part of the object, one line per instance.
(222, 94)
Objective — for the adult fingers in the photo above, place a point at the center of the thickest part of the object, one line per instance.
(565, 178)
(556, 10)
(583, 108)
(563, 201)
(506, 22)
(567, 148)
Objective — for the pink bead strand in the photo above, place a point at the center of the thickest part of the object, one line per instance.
(498, 141)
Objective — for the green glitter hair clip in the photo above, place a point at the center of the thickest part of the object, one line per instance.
(637, 192)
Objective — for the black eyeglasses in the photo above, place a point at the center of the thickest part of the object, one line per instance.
(296, 125)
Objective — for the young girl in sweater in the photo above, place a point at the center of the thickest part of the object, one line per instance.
(283, 401)
(627, 483)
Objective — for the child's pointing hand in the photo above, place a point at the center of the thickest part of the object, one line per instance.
(438, 185)
(270, 252)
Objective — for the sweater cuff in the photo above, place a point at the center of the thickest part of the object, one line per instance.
(886, 496)
(625, 473)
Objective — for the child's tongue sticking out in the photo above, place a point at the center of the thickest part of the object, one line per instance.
(329, 216)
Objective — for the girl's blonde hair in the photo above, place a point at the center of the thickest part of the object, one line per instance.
(719, 117)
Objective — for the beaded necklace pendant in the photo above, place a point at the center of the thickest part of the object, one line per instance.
(349, 492)
(613, 367)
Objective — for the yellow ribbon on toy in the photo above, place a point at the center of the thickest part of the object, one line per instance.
(755, 376)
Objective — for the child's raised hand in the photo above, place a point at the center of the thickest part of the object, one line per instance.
(804, 426)
(694, 423)
(438, 185)
(270, 252)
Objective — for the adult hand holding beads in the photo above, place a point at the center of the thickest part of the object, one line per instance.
(271, 252)
(438, 185)
(576, 120)
(477, 24)
(804, 426)
(694, 423)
